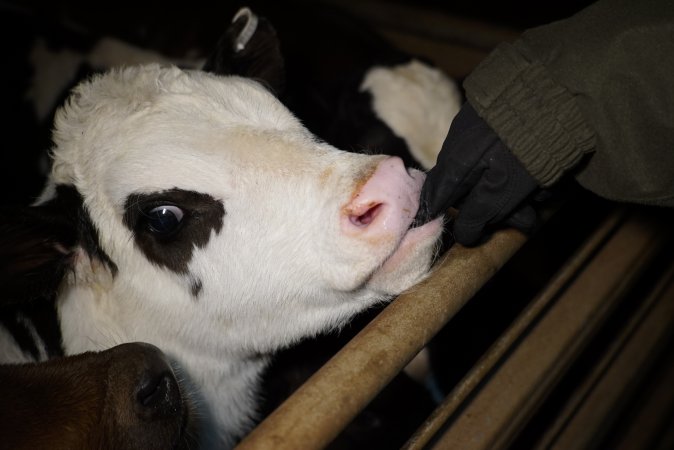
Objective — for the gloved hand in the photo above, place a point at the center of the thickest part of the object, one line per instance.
(477, 174)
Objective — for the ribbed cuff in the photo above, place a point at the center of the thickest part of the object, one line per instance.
(533, 115)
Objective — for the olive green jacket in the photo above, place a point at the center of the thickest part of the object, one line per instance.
(593, 94)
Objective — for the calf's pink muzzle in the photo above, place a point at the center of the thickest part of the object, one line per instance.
(386, 204)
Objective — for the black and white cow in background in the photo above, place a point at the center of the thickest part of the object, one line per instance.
(195, 212)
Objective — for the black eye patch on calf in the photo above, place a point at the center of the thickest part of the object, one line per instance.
(168, 225)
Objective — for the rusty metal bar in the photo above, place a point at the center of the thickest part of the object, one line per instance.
(454, 44)
(650, 426)
(588, 414)
(535, 309)
(315, 414)
(431, 24)
(512, 393)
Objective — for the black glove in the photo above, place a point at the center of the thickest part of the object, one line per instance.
(477, 173)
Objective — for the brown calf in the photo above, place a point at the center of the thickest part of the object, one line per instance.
(123, 398)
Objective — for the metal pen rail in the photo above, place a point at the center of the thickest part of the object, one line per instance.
(492, 404)
(343, 386)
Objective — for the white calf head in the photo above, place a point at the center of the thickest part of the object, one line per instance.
(212, 204)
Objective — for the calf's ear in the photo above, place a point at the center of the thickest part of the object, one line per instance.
(249, 48)
(40, 245)
(36, 252)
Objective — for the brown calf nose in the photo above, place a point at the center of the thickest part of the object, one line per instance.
(157, 394)
(147, 400)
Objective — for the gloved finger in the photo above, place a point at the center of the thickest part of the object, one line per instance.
(523, 219)
(441, 190)
(459, 165)
(475, 212)
(542, 195)
(468, 233)
(491, 201)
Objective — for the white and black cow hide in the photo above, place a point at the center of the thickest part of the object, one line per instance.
(194, 211)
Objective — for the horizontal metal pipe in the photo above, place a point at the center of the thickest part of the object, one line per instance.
(513, 392)
(590, 412)
(315, 414)
(430, 24)
(477, 374)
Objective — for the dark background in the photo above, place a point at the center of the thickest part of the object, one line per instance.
(176, 31)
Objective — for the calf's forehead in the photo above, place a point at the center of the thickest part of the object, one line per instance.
(218, 160)
(189, 127)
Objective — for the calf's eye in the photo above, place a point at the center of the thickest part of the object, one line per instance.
(164, 220)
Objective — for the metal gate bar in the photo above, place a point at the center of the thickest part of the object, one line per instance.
(590, 413)
(316, 413)
(535, 309)
(652, 423)
(510, 395)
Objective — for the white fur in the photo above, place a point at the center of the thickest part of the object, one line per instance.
(418, 103)
(280, 268)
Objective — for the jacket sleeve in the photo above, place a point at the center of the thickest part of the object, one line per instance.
(593, 93)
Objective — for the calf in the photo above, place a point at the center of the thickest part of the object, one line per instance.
(123, 398)
(193, 211)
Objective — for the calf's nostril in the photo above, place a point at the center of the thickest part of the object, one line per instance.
(365, 215)
(159, 395)
(153, 389)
